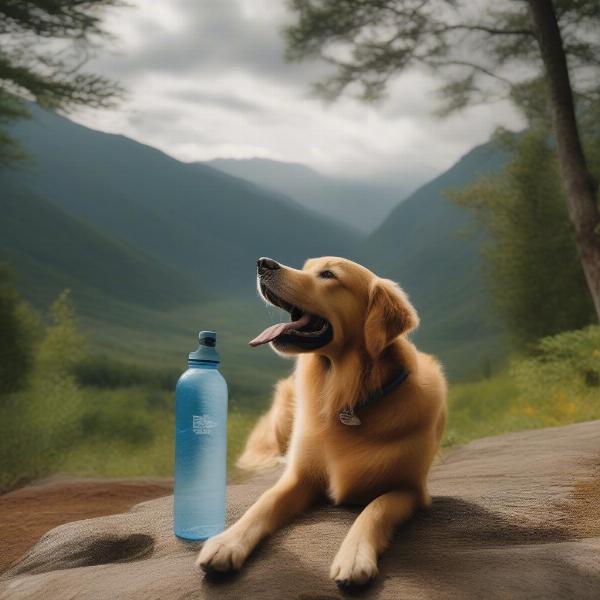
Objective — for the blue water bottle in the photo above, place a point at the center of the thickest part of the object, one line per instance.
(200, 444)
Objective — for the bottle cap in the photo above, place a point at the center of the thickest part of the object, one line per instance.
(207, 341)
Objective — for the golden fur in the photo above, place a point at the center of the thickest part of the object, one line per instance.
(382, 463)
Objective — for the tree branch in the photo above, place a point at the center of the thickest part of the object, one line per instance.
(463, 63)
(482, 29)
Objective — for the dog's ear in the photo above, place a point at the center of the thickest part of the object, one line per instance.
(389, 314)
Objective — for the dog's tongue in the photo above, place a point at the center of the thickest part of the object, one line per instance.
(270, 333)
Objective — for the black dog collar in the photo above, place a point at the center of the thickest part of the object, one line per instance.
(347, 416)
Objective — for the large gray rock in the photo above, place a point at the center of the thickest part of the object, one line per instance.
(514, 516)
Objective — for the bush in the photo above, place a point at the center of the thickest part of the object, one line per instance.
(560, 381)
(557, 385)
(107, 373)
(38, 424)
(94, 415)
(116, 424)
(18, 325)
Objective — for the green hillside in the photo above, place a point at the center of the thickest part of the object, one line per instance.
(130, 307)
(155, 249)
(424, 245)
(50, 250)
(360, 204)
(192, 218)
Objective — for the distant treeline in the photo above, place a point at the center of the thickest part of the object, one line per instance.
(21, 327)
(105, 372)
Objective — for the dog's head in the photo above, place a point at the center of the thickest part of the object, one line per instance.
(335, 305)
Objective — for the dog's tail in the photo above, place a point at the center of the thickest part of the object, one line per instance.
(261, 451)
(270, 437)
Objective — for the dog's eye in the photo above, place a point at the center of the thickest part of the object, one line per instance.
(326, 275)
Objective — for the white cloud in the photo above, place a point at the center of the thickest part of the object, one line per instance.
(207, 79)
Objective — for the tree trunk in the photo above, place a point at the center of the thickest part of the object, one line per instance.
(577, 179)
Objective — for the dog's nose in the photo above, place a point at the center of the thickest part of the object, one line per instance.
(264, 264)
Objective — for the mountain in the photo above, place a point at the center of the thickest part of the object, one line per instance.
(432, 247)
(359, 204)
(154, 248)
(208, 226)
(50, 250)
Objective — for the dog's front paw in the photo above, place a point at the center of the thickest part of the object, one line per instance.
(222, 554)
(355, 565)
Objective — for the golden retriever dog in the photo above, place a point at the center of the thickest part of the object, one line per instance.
(360, 420)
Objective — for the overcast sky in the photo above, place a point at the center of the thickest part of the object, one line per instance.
(207, 79)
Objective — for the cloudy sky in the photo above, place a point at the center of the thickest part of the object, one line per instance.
(206, 79)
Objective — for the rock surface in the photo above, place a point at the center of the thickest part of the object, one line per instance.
(514, 516)
(29, 512)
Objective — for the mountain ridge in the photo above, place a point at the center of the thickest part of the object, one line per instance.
(173, 212)
(81, 258)
(361, 204)
(157, 233)
(433, 248)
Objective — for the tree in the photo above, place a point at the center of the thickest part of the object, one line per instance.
(17, 326)
(44, 45)
(484, 55)
(533, 271)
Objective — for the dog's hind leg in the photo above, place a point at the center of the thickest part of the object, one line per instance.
(269, 439)
(356, 561)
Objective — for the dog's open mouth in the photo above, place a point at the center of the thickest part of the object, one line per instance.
(304, 330)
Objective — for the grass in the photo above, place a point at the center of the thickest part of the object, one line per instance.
(500, 405)
(558, 384)
(94, 416)
(126, 432)
(480, 409)
(110, 415)
(162, 339)
(147, 449)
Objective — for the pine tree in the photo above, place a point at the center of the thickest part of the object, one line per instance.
(44, 45)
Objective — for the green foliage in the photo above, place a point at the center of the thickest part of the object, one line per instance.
(122, 415)
(17, 329)
(63, 345)
(558, 385)
(43, 45)
(11, 108)
(565, 366)
(106, 372)
(480, 409)
(481, 53)
(96, 416)
(39, 423)
(532, 266)
(57, 424)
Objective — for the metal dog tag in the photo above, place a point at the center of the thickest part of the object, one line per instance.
(347, 417)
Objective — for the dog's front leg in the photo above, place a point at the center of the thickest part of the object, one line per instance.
(356, 561)
(227, 551)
